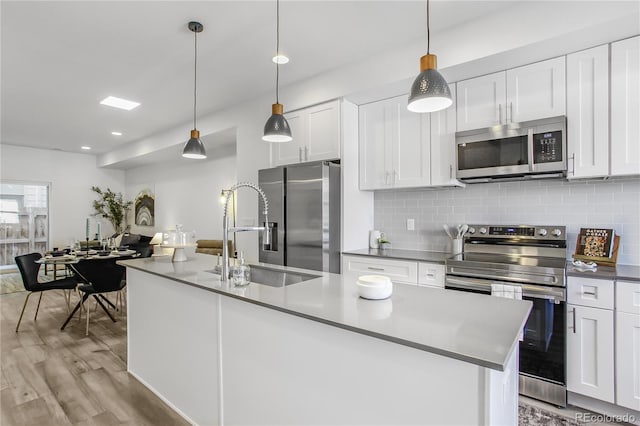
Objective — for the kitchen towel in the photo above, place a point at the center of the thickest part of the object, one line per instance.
(508, 292)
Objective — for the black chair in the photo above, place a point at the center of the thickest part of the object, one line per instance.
(98, 277)
(29, 271)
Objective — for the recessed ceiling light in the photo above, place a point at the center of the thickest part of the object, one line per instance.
(280, 59)
(86, 148)
(116, 133)
(112, 101)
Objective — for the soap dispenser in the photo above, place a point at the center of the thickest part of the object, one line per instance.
(241, 274)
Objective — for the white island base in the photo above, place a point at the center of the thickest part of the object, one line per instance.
(219, 360)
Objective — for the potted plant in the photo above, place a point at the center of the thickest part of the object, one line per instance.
(111, 206)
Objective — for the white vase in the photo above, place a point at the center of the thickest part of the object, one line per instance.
(374, 235)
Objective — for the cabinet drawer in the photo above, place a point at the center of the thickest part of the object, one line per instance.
(590, 292)
(431, 274)
(397, 270)
(628, 297)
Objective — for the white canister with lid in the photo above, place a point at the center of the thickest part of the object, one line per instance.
(374, 236)
(374, 287)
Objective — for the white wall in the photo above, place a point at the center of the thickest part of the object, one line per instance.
(613, 203)
(71, 177)
(557, 36)
(186, 191)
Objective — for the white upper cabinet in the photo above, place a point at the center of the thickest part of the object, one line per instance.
(316, 135)
(410, 146)
(536, 91)
(588, 113)
(290, 152)
(625, 107)
(480, 101)
(374, 152)
(323, 131)
(394, 145)
(443, 146)
(520, 94)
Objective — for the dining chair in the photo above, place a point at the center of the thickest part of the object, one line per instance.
(97, 277)
(29, 272)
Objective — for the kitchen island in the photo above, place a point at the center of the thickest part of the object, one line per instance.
(315, 353)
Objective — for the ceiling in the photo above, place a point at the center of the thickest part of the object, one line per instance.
(60, 58)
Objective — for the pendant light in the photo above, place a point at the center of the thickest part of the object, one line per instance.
(277, 128)
(194, 147)
(429, 91)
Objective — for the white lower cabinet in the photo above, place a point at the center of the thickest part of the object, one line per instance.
(590, 352)
(590, 340)
(628, 360)
(593, 336)
(431, 275)
(400, 271)
(628, 344)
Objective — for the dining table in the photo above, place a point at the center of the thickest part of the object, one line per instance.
(73, 258)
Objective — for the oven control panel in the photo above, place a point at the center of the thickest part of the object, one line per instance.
(551, 232)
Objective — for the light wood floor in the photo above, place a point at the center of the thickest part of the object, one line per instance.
(53, 377)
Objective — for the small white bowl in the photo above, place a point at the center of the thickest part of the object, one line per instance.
(374, 287)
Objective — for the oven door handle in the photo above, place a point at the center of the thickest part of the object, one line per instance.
(556, 295)
(468, 284)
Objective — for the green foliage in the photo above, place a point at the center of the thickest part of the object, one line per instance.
(112, 207)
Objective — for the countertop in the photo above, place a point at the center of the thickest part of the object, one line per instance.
(421, 256)
(465, 326)
(619, 272)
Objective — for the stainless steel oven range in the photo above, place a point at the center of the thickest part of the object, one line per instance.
(532, 258)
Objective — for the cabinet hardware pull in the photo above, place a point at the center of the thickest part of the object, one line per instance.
(430, 275)
(590, 293)
(375, 269)
(573, 163)
(450, 171)
(574, 320)
(300, 153)
(306, 153)
(511, 111)
(499, 113)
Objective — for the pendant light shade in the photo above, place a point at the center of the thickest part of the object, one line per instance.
(277, 129)
(429, 91)
(194, 147)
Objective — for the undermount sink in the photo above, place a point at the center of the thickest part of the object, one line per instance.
(277, 277)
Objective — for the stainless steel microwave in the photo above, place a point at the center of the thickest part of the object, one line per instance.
(527, 150)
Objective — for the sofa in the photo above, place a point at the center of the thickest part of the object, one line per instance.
(137, 242)
(213, 247)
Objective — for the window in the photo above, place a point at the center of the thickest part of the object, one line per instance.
(24, 220)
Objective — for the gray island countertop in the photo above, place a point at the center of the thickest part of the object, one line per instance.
(468, 327)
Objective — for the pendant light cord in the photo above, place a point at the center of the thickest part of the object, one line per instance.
(428, 31)
(277, 49)
(195, 76)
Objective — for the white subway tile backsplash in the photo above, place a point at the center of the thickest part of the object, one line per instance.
(613, 203)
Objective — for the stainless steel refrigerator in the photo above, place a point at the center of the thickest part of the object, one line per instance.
(304, 210)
